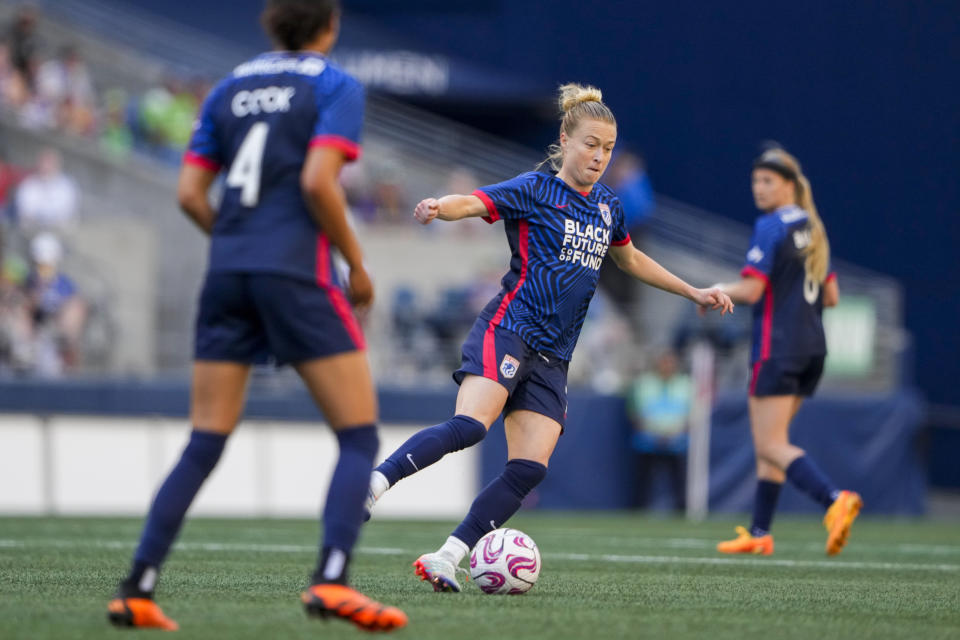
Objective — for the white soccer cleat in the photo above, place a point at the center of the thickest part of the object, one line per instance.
(439, 570)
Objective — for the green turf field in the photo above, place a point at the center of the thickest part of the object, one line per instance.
(604, 576)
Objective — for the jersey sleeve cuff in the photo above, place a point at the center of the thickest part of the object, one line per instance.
(351, 150)
(492, 214)
(194, 158)
(621, 243)
(831, 276)
(752, 272)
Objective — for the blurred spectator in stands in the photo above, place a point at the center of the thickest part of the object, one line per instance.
(116, 137)
(15, 322)
(63, 96)
(10, 177)
(449, 321)
(730, 341)
(405, 317)
(603, 350)
(166, 115)
(46, 199)
(388, 189)
(13, 89)
(658, 404)
(358, 188)
(22, 45)
(376, 188)
(627, 176)
(57, 311)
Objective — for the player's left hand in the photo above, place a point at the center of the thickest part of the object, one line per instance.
(713, 299)
(360, 289)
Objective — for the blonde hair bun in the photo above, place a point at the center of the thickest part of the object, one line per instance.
(573, 94)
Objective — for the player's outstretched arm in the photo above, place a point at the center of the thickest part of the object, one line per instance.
(328, 205)
(192, 188)
(747, 290)
(452, 207)
(644, 268)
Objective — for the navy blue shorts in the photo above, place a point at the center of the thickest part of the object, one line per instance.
(253, 317)
(535, 381)
(792, 376)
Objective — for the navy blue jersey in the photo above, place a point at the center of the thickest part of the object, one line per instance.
(258, 124)
(558, 238)
(787, 319)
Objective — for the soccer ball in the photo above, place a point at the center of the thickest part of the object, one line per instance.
(505, 561)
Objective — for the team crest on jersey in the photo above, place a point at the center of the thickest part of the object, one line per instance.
(755, 254)
(509, 366)
(605, 213)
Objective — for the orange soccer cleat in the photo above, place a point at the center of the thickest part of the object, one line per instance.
(839, 519)
(340, 601)
(746, 543)
(138, 612)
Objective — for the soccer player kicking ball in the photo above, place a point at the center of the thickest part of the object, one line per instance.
(282, 125)
(787, 278)
(560, 224)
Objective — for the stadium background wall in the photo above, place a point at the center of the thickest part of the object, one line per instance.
(92, 447)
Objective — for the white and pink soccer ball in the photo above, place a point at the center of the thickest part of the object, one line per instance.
(505, 561)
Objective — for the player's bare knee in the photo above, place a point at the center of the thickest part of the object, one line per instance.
(768, 471)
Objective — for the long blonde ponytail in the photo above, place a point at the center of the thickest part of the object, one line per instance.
(818, 251)
(577, 102)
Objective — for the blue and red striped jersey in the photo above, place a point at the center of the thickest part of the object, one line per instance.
(558, 238)
(258, 124)
(787, 320)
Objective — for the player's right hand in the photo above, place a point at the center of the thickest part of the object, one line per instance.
(360, 288)
(426, 210)
(713, 298)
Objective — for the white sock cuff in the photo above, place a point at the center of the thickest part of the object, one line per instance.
(455, 548)
(378, 484)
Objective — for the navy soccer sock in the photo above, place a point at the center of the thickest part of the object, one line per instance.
(343, 513)
(764, 504)
(806, 476)
(169, 507)
(429, 445)
(500, 499)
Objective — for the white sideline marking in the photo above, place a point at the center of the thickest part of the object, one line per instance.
(828, 564)
(703, 543)
(581, 557)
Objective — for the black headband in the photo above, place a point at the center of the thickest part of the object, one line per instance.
(782, 169)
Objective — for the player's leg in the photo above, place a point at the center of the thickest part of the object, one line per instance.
(757, 539)
(770, 416)
(342, 387)
(770, 478)
(770, 427)
(217, 398)
(531, 438)
(845, 505)
(493, 362)
(773, 415)
(479, 402)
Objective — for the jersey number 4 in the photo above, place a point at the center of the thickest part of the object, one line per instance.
(247, 166)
